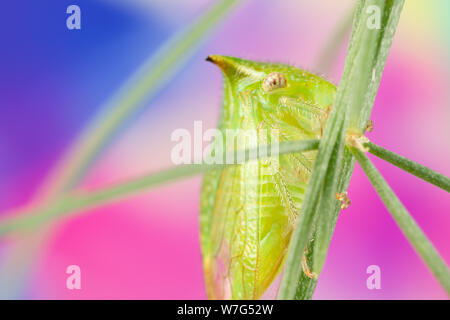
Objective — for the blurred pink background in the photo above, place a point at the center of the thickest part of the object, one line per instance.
(147, 247)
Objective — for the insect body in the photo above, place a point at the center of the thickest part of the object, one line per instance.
(248, 211)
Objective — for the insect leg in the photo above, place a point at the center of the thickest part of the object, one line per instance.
(344, 199)
(306, 115)
(323, 121)
(305, 267)
(369, 126)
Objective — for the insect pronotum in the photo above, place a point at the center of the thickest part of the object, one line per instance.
(248, 211)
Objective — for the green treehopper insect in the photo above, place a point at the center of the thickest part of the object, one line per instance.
(248, 211)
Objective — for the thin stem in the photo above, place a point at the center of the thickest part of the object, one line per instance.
(410, 229)
(410, 166)
(364, 63)
(329, 53)
(82, 201)
(325, 211)
(304, 226)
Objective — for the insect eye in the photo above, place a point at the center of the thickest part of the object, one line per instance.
(274, 80)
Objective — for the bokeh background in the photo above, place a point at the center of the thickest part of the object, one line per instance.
(53, 81)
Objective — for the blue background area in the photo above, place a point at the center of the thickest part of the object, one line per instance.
(53, 79)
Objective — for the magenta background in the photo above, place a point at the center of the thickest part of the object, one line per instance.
(146, 247)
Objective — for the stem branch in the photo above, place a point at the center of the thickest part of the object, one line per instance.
(406, 223)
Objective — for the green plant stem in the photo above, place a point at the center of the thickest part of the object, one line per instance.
(82, 201)
(325, 212)
(304, 225)
(410, 166)
(406, 223)
(364, 64)
(315, 249)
